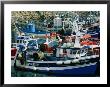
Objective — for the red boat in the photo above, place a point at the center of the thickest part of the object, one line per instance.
(13, 55)
(88, 43)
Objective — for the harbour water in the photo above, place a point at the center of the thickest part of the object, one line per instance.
(19, 73)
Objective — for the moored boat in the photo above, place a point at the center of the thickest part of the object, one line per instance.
(79, 64)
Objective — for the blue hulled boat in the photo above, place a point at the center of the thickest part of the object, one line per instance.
(70, 65)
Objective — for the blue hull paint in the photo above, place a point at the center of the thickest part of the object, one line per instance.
(81, 71)
(90, 70)
(87, 70)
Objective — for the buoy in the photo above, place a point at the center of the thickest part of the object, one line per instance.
(75, 61)
(59, 62)
(35, 68)
(67, 62)
(48, 69)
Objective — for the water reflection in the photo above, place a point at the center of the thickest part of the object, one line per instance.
(17, 73)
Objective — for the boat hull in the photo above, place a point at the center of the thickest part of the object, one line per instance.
(80, 70)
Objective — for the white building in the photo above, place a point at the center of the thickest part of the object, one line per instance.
(57, 21)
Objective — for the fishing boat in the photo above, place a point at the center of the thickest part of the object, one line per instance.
(72, 61)
(77, 65)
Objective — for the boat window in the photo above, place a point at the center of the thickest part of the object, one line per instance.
(24, 41)
(78, 52)
(22, 37)
(85, 50)
(82, 51)
(70, 51)
(90, 52)
(64, 51)
(12, 45)
(20, 41)
(74, 52)
(17, 41)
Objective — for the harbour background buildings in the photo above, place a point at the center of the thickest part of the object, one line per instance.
(44, 20)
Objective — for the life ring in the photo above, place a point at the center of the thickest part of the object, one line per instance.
(75, 61)
(67, 62)
(59, 62)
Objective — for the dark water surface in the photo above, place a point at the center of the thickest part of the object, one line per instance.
(19, 73)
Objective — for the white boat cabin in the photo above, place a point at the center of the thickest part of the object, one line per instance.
(23, 40)
(70, 52)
